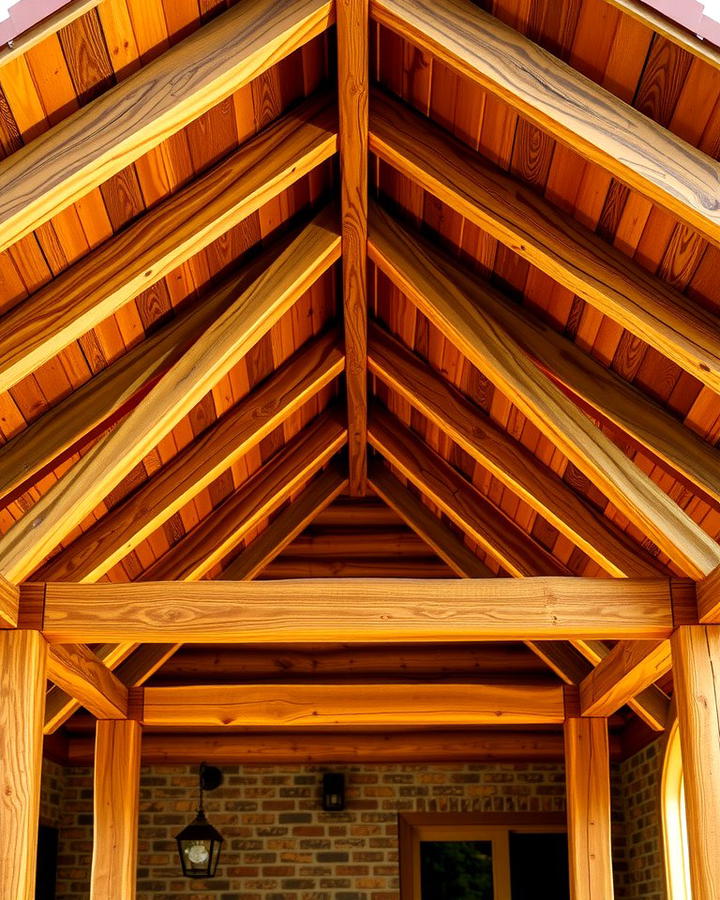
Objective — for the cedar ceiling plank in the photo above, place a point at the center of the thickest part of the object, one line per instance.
(226, 341)
(461, 501)
(435, 534)
(47, 27)
(82, 674)
(550, 240)
(286, 527)
(565, 103)
(103, 137)
(508, 460)
(215, 536)
(332, 705)
(458, 305)
(353, 40)
(360, 610)
(180, 226)
(197, 465)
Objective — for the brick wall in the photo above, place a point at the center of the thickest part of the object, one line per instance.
(281, 846)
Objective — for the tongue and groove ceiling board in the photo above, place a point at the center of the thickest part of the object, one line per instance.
(165, 412)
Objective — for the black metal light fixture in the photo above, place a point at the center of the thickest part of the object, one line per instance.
(199, 844)
(333, 788)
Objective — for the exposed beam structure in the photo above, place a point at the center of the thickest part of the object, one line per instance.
(286, 527)
(353, 41)
(135, 259)
(347, 705)
(508, 460)
(144, 662)
(358, 567)
(225, 342)
(86, 678)
(103, 137)
(548, 239)
(215, 536)
(95, 551)
(627, 670)
(708, 598)
(359, 610)
(458, 306)
(9, 601)
(406, 747)
(569, 106)
(498, 535)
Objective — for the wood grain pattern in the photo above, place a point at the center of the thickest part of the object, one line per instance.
(250, 316)
(103, 137)
(116, 805)
(95, 551)
(465, 312)
(144, 662)
(285, 528)
(587, 773)
(362, 609)
(9, 603)
(332, 705)
(353, 62)
(498, 535)
(573, 255)
(566, 104)
(48, 26)
(84, 676)
(629, 668)
(492, 745)
(22, 700)
(708, 598)
(508, 460)
(695, 652)
(216, 535)
(134, 260)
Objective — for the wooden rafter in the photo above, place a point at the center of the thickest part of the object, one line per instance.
(568, 105)
(243, 427)
(251, 315)
(103, 137)
(463, 310)
(573, 255)
(135, 259)
(508, 460)
(353, 74)
(498, 535)
(358, 609)
(9, 598)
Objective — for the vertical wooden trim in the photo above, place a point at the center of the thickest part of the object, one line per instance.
(696, 652)
(353, 62)
(587, 772)
(116, 790)
(22, 703)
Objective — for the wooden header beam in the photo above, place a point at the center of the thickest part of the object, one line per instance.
(108, 134)
(357, 610)
(351, 705)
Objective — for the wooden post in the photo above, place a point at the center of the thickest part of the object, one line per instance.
(116, 790)
(587, 771)
(22, 709)
(696, 652)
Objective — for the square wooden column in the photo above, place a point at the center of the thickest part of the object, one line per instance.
(587, 774)
(116, 805)
(696, 672)
(22, 708)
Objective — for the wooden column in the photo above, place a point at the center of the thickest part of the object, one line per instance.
(22, 708)
(696, 657)
(587, 765)
(353, 50)
(116, 791)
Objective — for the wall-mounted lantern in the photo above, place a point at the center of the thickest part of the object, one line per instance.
(199, 844)
(333, 789)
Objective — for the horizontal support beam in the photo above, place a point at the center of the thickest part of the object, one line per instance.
(84, 676)
(566, 104)
(548, 239)
(358, 610)
(629, 668)
(351, 705)
(226, 748)
(158, 100)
